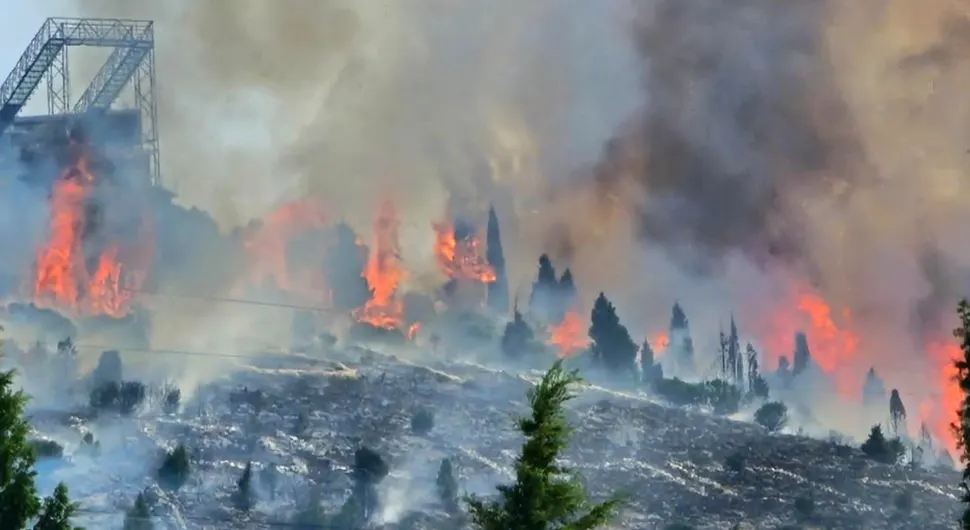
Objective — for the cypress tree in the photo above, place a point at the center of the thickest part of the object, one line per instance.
(611, 345)
(544, 290)
(498, 291)
(897, 413)
(681, 343)
(961, 428)
(139, 517)
(802, 356)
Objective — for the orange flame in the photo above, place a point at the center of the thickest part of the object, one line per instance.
(413, 330)
(61, 279)
(384, 273)
(267, 243)
(461, 259)
(569, 335)
(940, 410)
(833, 344)
(659, 342)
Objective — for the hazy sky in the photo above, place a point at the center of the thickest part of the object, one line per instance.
(16, 30)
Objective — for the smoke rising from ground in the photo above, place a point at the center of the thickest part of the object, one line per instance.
(747, 144)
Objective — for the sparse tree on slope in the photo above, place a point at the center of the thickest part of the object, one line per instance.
(447, 486)
(566, 293)
(518, 338)
(757, 385)
(897, 413)
(57, 511)
(962, 427)
(139, 517)
(545, 496)
(612, 345)
(650, 370)
(498, 291)
(18, 495)
(542, 300)
(681, 343)
(243, 496)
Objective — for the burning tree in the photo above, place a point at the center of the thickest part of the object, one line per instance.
(612, 346)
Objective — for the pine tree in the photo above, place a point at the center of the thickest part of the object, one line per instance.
(18, 495)
(802, 356)
(545, 496)
(681, 343)
(447, 486)
(57, 511)
(498, 291)
(139, 517)
(243, 496)
(961, 428)
(612, 345)
(344, 268)
(897, 413)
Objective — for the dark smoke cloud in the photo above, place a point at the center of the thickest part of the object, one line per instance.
(742, 120)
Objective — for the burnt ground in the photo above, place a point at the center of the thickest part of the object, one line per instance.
(312, 414)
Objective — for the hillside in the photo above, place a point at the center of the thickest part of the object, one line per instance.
(304, 418)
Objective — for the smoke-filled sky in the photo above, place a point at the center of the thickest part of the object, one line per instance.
(665, 149)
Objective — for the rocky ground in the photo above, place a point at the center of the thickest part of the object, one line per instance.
(314, 412)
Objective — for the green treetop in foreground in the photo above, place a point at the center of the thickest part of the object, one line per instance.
(19, 502)
(545, 496)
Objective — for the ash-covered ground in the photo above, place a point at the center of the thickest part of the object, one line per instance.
(312, 411)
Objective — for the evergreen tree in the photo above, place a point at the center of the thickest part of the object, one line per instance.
(735, 359)
(757, 385)
(175, 468)
(498, 291)
(897, 413)
(243, 496)
(681, 343)
(447, 486)
(369, 470)
(57, 511)
(566, 294)
(139, 517)
(542, 301)
(518, 337)
(961, 428)
(802, 356)
(545, 496)
(784, 370)
(612, 345)
(344, 267)
(650, 370)
(873, 389)
(18, 495)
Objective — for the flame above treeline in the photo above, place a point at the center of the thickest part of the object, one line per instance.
(78, 280)
(83, 280)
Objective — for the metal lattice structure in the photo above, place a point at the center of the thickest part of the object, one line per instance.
(132, 62)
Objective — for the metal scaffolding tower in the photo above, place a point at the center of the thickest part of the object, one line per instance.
(132, 62)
